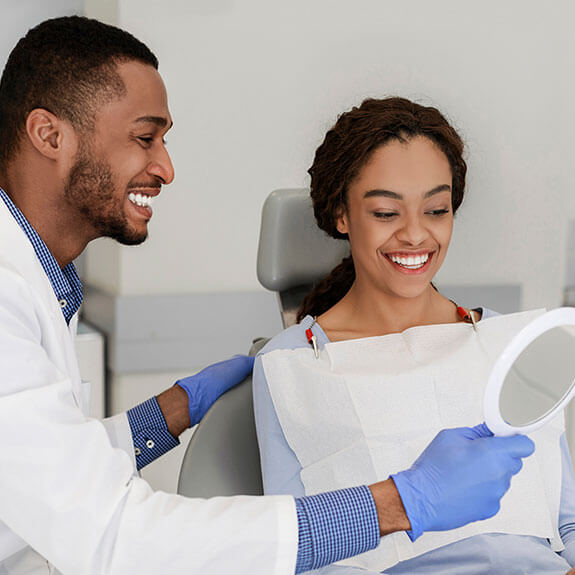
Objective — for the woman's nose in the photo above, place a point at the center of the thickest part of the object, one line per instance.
(413, 232)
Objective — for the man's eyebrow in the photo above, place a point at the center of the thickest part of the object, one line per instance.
(396, 196)
(159, 121)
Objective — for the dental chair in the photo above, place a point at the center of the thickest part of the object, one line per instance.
(222, 457)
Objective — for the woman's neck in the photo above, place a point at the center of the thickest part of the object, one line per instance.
(362, 313)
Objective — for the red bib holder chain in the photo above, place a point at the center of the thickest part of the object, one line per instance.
(466, 315)
(312, 339)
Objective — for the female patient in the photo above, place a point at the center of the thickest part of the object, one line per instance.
(389, 178)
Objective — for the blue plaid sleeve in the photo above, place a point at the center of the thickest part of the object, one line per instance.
(334, 526)
(149, 432)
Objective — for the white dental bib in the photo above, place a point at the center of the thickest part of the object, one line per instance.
(367, 408)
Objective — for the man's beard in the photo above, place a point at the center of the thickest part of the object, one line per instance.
(90, 189)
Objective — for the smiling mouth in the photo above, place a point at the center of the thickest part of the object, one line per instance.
(410, 262)
(141, 200)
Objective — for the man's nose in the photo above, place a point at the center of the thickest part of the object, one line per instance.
(161, 166)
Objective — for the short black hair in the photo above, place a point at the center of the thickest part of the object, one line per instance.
(67, 66)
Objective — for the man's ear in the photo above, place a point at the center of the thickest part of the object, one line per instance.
(342, 222)
(47, 133)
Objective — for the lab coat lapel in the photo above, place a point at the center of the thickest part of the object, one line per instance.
(22, 258)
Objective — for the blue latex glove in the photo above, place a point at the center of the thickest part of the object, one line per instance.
(205, 387)
(459, 478)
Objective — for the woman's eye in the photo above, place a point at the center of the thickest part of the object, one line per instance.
(440, 212)
(385, 215)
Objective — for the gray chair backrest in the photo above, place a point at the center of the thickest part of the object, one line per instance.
(293, 253)
(222, 457)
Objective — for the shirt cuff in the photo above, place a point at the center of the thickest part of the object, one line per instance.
(149, 432)
(334, 526)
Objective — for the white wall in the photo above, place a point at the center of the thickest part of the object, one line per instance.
(18, 16)
(254, 85)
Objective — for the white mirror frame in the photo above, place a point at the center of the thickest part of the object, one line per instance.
(554, 318)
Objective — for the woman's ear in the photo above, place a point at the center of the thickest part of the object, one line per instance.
(341, 222)
(47, 133)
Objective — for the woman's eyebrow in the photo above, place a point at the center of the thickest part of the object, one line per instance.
(437, 190)
(396, 196)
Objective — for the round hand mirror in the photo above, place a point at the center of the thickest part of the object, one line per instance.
(534, 377)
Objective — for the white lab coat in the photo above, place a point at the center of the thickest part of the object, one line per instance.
(68, 495)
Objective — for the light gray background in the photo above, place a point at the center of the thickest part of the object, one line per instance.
(253, 87)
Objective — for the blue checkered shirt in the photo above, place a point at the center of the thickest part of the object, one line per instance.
(65, 282)
(332, 526)
(149, 432)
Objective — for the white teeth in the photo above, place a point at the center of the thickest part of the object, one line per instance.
(410, 262)
(141, 200)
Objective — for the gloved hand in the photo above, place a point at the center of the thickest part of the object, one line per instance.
(205, 387)
(459, 478)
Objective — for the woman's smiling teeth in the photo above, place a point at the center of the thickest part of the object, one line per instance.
(142, 200)
(410, 262)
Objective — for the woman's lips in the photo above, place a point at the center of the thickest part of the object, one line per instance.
(410, 263)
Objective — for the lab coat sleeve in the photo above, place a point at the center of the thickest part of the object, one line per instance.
(118, 429)
(73, 497)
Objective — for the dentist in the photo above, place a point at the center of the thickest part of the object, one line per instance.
(83, 115)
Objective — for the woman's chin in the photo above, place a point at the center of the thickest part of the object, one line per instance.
(409, 292)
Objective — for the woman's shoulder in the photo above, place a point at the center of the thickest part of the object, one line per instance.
(486, 313)
(292, 337)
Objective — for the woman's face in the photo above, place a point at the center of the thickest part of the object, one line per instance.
(399, 217)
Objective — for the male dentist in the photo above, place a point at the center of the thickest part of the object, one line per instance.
(83, 115)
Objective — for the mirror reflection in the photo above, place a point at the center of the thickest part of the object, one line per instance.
(540, 377)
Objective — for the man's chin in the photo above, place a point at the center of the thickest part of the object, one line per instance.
(132, 241)
(130, 238)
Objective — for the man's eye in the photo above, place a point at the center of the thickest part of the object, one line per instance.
(149, 140)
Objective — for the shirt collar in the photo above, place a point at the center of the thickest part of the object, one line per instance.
(65, 282)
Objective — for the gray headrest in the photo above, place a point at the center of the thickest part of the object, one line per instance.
(292, 250)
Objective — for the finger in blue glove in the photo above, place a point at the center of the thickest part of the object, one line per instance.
(459, 478)
(205, 387)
